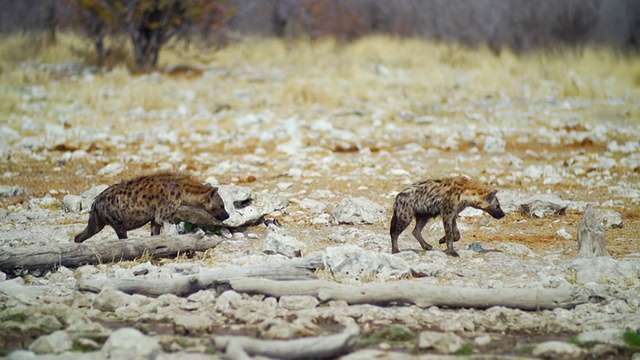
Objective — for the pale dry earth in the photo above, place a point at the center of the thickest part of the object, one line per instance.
(317, 124)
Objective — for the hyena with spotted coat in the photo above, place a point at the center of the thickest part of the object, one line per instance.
(155, 198)
(440, 197)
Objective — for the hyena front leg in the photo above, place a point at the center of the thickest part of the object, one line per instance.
(421, 221)
(456, 233)
(451, 233)
(165, 213)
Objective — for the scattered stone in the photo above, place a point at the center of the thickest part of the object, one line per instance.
(315, 206)
(543, 204)
(129, 343)
(557, 350)
(276, 243)
(110, 299)
(353, 265)
(613, 337)
(610, 218)
(358, 210)
(112, 169)
(54, 343)
(591, 237)
(192, 324)
(564, 234)
(443, 342)
(10, 191)
(493, 144)
(297, 302)
(72, 203)
(516, 249)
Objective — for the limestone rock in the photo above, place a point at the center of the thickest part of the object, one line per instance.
(354, 265)
(557, 350)
(541, 205)
(54, 343)
(444, 342)
(358, 210)
(129, 343)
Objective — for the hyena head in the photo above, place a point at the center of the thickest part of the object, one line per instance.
(214, 205)
(487, 201)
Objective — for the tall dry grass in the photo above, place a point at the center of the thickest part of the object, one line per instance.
(296, 77)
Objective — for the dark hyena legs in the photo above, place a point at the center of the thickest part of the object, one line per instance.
(421, 221)
(94, 226)
(400, 223)
(451, 233)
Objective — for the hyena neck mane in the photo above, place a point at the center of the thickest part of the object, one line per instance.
(194, 193)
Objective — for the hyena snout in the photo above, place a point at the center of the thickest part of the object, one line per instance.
(495, 211)
(222, 215)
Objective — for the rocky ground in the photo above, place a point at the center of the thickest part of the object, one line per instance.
(332, 135)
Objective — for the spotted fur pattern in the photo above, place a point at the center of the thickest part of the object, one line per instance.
(440, 197)
(151, 198)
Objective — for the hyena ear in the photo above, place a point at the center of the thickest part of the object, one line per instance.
(212, 192)
(492, 195)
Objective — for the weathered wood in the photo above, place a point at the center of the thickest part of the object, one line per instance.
(591, 237)
(74, 255)
(422, 295)
(319, 347)
(295, 269)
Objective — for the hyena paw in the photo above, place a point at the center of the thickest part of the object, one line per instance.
(426, 247)
(451, 253)
(442, 240)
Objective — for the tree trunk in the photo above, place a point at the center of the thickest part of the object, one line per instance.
(422, 295)
(74, 255)
(591, 238)
(295, 269)
(317, 347)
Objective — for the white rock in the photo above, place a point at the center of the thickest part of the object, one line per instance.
(111, 169)
(610, 218)
(510, 200)
(110, 299)
(358, 210)
(447, 342)
(493, 144)
(354, 265)
(72, 203)
(557, 350)
(129, 343)
(10, 191)
(564, 234)
(618, 307)
(283, 244)
(315, 206)
(613, 337)
(516, 249)
(298, 302)
(54, 343)
(543, 204)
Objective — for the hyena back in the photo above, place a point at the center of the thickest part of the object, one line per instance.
(440, 197)
(156, 198)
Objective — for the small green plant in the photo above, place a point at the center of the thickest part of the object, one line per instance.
(393, 335)
(632, 339)
(19, 317)
(465, 350)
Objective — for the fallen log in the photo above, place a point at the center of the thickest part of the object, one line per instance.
(319, 347)
(294, 269)
(422, 295)
(73, 255)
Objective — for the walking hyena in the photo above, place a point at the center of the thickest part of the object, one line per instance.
(445, 197)
(151, 198)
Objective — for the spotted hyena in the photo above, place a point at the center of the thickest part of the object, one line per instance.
(440, 197)
(151, 198)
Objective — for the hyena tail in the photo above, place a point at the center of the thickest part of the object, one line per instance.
(93, 227)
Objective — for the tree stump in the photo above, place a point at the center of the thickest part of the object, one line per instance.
(591, 239)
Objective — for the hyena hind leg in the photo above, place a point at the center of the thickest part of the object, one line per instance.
(398, 225)
(421, 221)
(93, 227)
